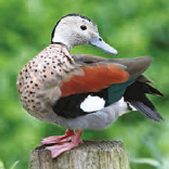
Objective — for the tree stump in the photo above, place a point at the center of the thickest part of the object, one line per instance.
(89, 155)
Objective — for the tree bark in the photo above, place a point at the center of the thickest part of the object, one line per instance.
(89, 155)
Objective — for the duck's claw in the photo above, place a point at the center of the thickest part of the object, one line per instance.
(64, 144)
(57, 139)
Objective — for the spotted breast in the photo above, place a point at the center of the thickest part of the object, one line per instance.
(38, 82)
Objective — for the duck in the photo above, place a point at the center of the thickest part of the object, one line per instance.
(81, 91)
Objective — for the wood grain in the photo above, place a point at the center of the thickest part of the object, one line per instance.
(89, 155)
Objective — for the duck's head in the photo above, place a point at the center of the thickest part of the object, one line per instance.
(76, 29)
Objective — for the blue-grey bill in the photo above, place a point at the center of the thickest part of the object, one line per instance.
(98, 42)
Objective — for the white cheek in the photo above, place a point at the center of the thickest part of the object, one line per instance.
(92, 103)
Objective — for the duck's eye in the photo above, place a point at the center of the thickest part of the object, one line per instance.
(83, 27)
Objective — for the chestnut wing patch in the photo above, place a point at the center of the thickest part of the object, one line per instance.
(94, 78)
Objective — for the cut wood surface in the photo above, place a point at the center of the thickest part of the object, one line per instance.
(89, 155)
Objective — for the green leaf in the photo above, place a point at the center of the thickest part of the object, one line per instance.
(14, 165)
(2, 165)
(149, 161)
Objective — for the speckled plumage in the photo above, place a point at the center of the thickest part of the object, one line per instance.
(38, 82)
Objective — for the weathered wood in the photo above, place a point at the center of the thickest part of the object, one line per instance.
(89, 155)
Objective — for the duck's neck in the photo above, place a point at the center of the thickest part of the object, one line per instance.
(62, 34)
(63, 40)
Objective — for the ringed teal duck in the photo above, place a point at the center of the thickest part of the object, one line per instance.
(82, 91)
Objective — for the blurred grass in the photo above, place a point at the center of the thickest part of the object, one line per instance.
(134, 28)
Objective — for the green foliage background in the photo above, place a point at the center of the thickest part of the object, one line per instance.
(134, 28)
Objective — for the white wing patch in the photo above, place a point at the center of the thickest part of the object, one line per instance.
(92, 103)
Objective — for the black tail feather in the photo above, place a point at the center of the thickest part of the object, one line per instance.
(151, 114)
(135, 95)
(151, 90)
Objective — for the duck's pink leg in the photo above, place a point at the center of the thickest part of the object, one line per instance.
(57, 149)
(58, 139)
